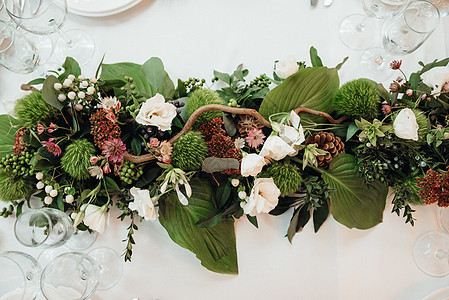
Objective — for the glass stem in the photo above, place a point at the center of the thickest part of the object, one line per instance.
(362, 25)
(65, 38)
(441, 254)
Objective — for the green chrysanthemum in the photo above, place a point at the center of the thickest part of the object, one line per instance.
(14, 188)
(358, 98)
(286, 176)
(423, 124)
(32, 109)
(189, 151)
(201, 97)
(76, 159)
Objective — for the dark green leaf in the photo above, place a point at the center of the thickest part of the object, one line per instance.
(211, 220)
(71, 67)
(314, 58)
(8, 129)
(215, 247)
(120, 70)
(291, 231)
(149, 175)
(223, 77)
(216, 164)
(414, 81)
(221, 201)
(19, 208)
(253, 220)
(135, 145)
(111, 184)
(36, 81)
(49, 93)
(158, 78)
(320, 215)
(60, 202)
(352, 129)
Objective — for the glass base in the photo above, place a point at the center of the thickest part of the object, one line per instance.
(77, 44)
(358, 32)
(375, 63)
(81, 240)
(431, 253)
(110, 265)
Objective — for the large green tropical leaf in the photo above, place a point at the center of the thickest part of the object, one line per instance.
(310, 87)
(354, 203)
(118, 71)
(214, 246)
(8, 128)
(158, 77)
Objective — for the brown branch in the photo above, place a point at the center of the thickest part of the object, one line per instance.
(321, 114)
(26, 87)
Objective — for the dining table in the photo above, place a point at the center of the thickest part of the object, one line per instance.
(193, 38)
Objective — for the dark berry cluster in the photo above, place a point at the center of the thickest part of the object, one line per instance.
(178, 104)
(130, 172)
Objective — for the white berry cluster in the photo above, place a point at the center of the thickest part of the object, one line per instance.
(51, 191)
(79, 90)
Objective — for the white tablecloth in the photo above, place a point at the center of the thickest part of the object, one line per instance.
(194, 37)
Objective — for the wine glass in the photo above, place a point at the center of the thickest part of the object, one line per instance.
(17, 53)
(21, 276)
(358, 31)
(431, 253)
(45, 17)
(76, 275)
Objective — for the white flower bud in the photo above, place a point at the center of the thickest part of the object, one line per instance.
(53, 193)
(71, 95)
(67, 82)
(81, 95)
(48, 200)
(69, 199)
(62, 97)
(84, 84)
(242, 195)
(57, 86)
(73, 215)
(91, 90)
(235, 182)
(78, 107)
(39, 175)
(40, 185)
(48, 189)
(81, 77)
(71, 77)
(93, 80)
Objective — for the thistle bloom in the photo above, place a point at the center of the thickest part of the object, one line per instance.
(255, 138)
(52, 147)
(114, 149)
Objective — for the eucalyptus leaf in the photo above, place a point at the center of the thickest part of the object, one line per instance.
(229, 125)
(354, 203)
(158, 78)
(49, 93)
(71, 67)
(118, 71)
(311, 87)
(216, 164)
(215, 247)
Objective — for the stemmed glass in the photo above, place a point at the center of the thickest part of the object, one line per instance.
(45, 17)
(76, 275)
(21, 276)
(358, 31)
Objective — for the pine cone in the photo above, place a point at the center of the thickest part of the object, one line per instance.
(246, 123)
(329, 142)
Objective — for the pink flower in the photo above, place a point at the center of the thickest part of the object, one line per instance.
(110, 116)
(114, 149)
(409, 92)
(53, 126)
(154, 143)
(52, 147)
(40, 128)
(50, 130)
(110, 103)
(93, 159)
(106, 169)
(165, 150)
(255, 138)
(96, 171)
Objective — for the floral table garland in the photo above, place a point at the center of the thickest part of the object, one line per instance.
(197, 159)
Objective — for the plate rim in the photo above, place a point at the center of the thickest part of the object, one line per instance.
(103, 13)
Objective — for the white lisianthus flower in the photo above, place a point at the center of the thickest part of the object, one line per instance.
(435, 78)
(263, 198)
(292, 135)
(143, 204)
(252, 164)
(275, 148)
(405, 125)
(156, 112)
(285, 68)
(95, 217)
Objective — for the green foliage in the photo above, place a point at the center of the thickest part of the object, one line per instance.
(189, 151)
(371, 131)
(158, 77)
(32, 109)
(214, 246)
(358, 98)
(75, 161)
(286, 176)
(201, 97)
(8, 128)
(310, 87)
(14, 188)
(354, 203)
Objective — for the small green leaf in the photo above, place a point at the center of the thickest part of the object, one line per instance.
(60, 202)
(71, 67)
(36, 81)
(223, 77)
(320, 215)
(338, 67)
(49, 93)
(314, 58)
(253, 220)
(111, 184)
(135, 145)
(216, 164)
(352, 129)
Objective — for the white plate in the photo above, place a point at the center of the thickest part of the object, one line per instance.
(442, 294)
(99, 8)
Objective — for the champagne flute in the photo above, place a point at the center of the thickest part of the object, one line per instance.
(21, 276)
(44, 17)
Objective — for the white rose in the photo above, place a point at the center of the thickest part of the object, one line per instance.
(275, 148)
(143, 204)
(285, 68)
(435, 78)
(264, 197)
(292, 135)
(156, 112)
(252, 164)
(405, 125)
(95, 217)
